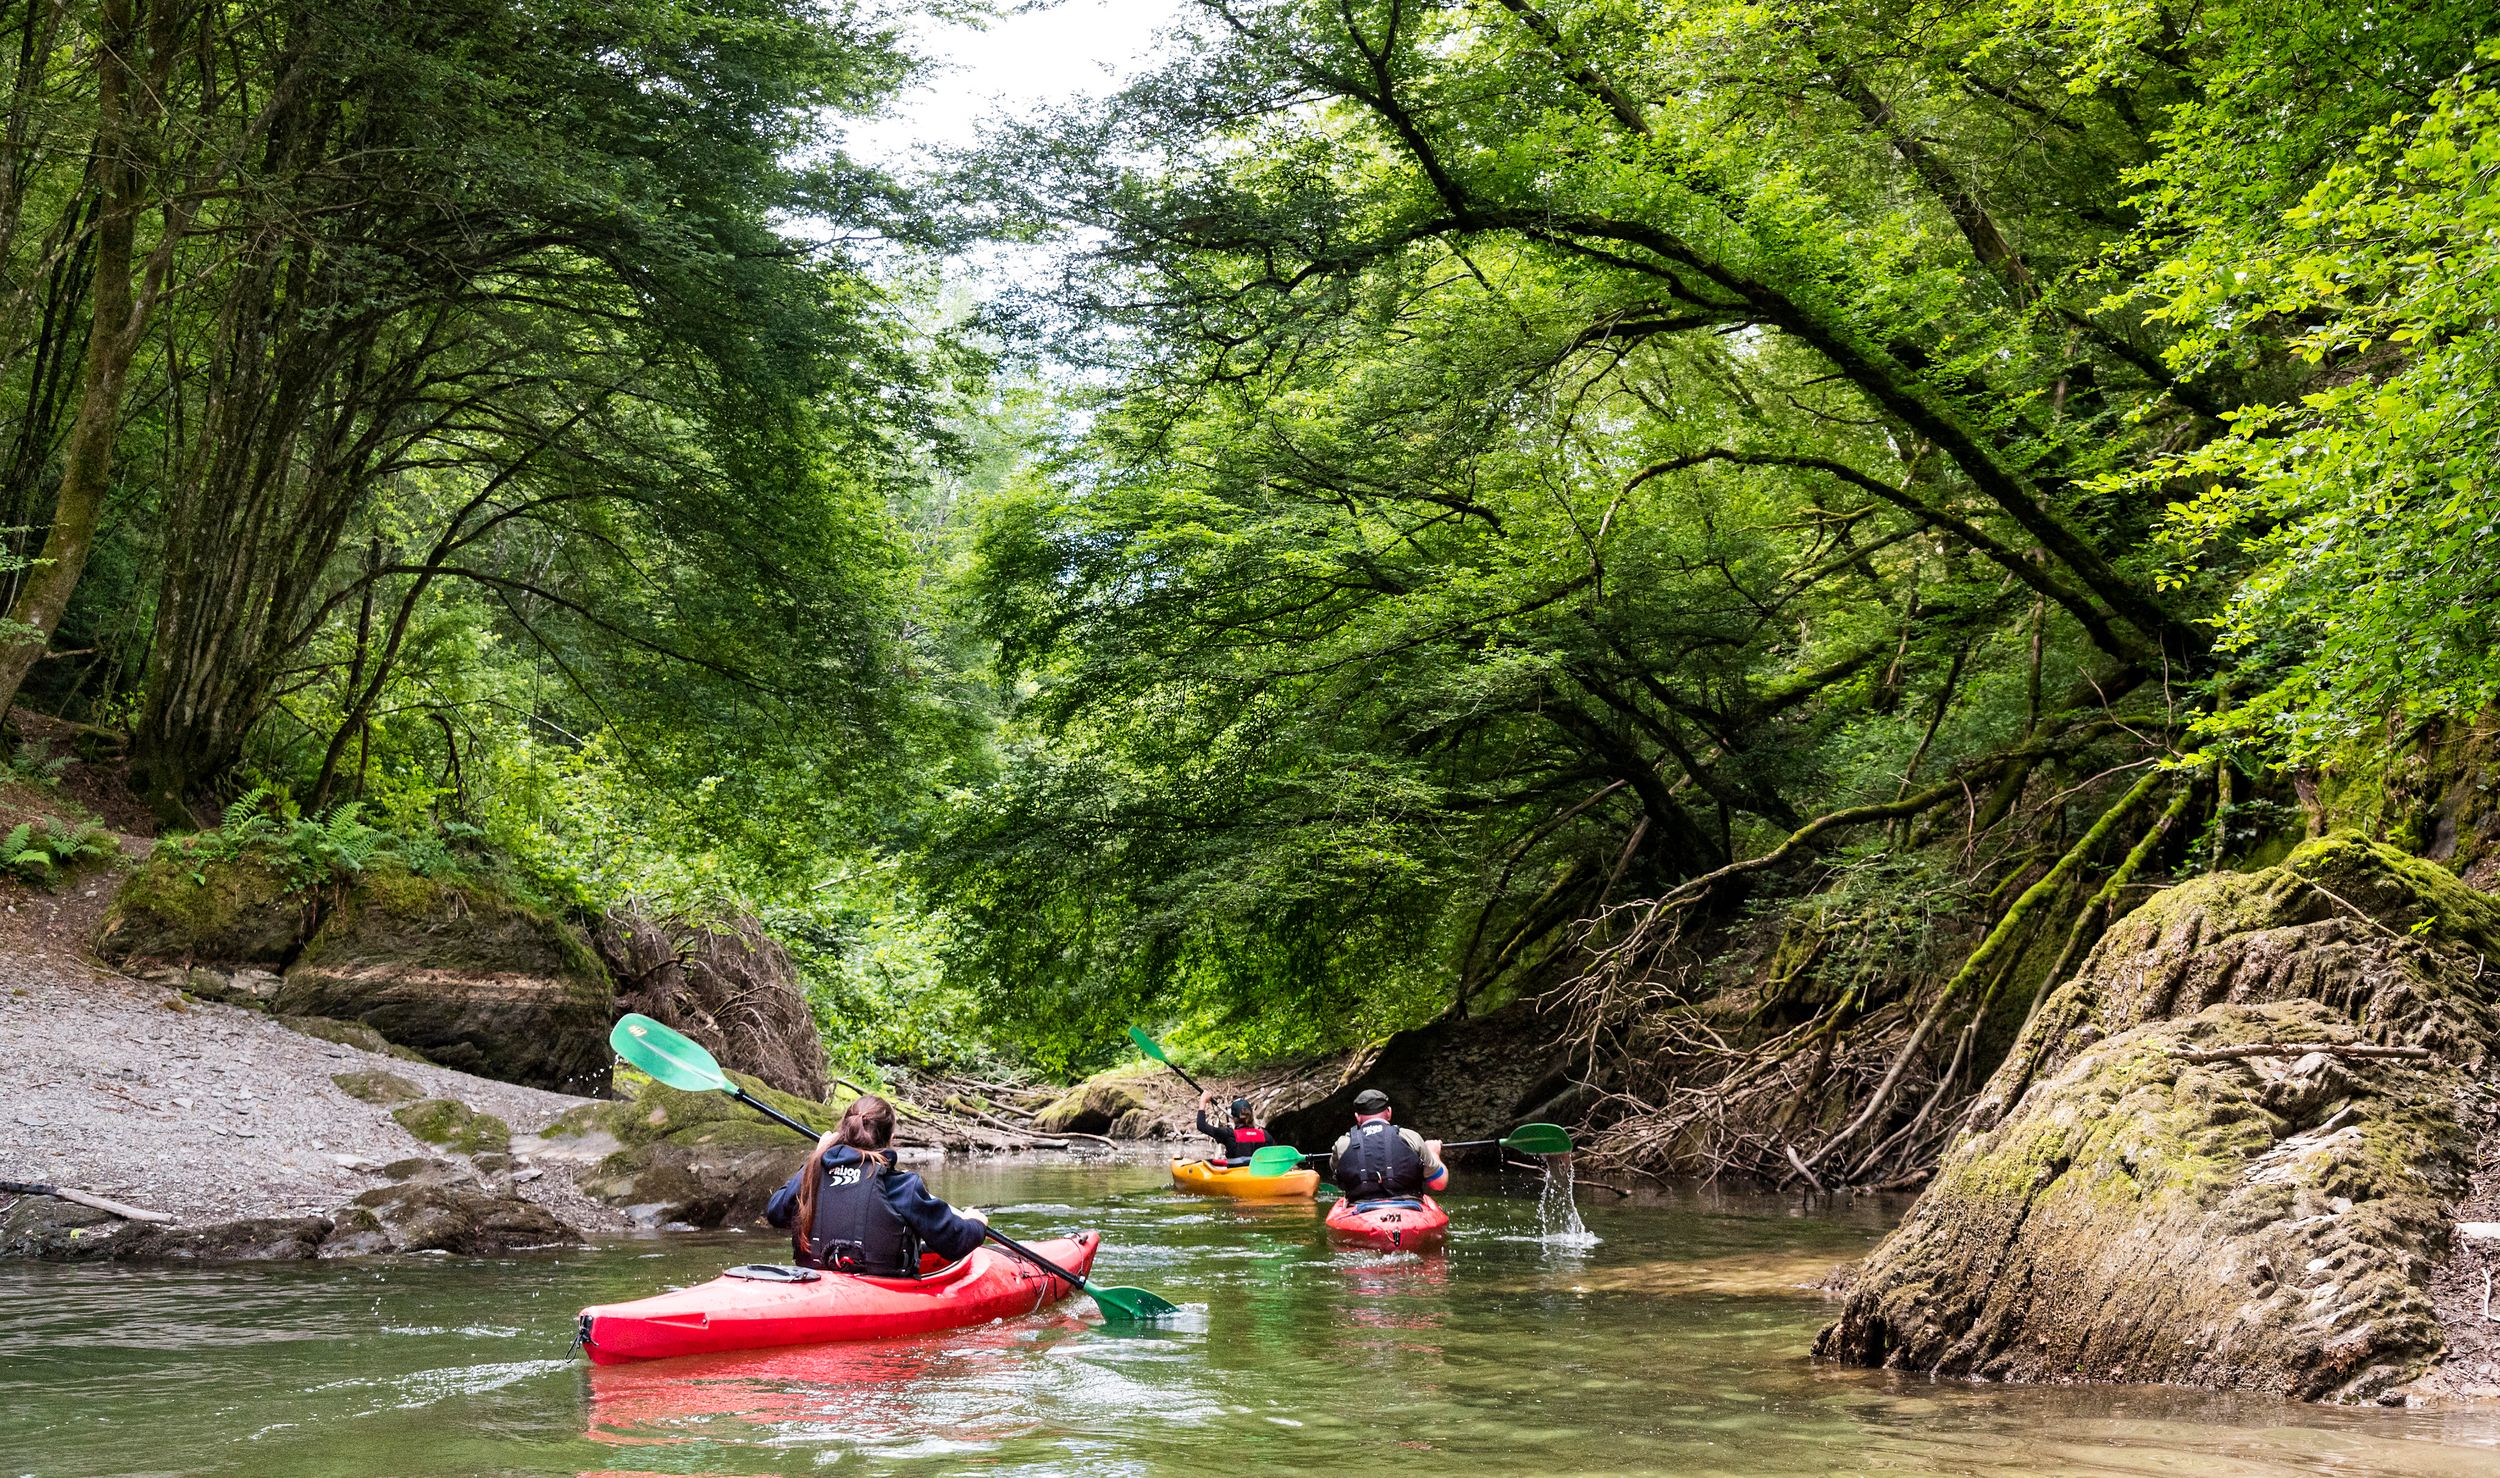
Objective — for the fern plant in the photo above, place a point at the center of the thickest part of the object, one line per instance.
(310, 849)
(37, 851)
(36, 764)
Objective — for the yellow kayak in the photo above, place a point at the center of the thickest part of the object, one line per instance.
(1229, 1180)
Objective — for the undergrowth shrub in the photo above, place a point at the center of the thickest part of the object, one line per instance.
(39, 850)
(309, 850)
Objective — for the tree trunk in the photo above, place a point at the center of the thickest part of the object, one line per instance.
(87, 460)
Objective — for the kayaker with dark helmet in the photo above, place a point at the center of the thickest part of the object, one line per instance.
(858, 1213)
(1238, 1138)
(1378, 1161)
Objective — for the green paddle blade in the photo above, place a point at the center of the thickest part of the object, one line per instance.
(1539, 1139)
(1130, 1305)
(1275, 1159)
(669, 1057)
(1146, 1044)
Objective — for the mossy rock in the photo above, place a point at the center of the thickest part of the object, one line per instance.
(1091, 1107)
(469, 976)
(695, 1159)
(2119, 1212)
(455, 1126)
(380, 1086)
(178, 909)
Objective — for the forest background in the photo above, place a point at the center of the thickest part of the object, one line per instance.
(1754, 532)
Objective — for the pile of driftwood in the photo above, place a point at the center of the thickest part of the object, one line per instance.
(965, 1111)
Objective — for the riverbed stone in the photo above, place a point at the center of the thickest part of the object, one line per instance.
(2122, 1213)
(435, 1214)
(379, 1085)
(455, 1126)
(46, 1230)
(693, 1159)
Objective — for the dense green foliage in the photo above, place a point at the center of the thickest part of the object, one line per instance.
(1560, 452)
(1518, 487)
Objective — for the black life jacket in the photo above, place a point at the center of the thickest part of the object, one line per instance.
(856, 1231)
(1378, 1163)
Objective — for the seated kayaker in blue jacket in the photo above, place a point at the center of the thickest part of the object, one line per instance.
(858, 1213)
(1239, 1138)
(1378, 1161)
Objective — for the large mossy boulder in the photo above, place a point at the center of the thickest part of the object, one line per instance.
(1095, 1106)
(177, 911)
(469, 976)
(690, 1159)
(727, 984)
(2134, 1203)
(455, 970)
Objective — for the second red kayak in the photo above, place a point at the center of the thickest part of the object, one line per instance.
(741, 1313)
(1400, 1226)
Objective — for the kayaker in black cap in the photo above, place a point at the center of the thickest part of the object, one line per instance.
(860, 1213)
(1378, 1161)
(1238, 1138)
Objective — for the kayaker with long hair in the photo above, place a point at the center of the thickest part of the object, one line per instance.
(1238, 1138)
(1378, 1161)
(858, 1213)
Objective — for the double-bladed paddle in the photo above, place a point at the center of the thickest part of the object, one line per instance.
(1528, 1139)
(1146, 1044)
(672, 1058)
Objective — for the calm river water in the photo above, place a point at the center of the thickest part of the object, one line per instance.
(1675, 1345)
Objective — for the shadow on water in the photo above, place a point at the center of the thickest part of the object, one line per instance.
(1671, 1345)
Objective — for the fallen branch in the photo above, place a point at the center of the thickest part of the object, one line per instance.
(121, 1209)
(2297, 1049)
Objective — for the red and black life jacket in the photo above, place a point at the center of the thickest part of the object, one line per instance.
(1377, 1163)
(856, 1230)
(1248, 1136)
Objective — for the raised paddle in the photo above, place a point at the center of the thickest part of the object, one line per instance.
(1528, 1139)
(1146, 1044)
(671, 1057)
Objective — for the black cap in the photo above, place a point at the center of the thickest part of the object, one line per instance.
(1370, 1101)
(1241, 1109)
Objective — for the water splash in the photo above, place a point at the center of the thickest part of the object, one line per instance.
(1558, 1210)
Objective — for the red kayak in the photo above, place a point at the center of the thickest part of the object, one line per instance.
(734, 1312)
(1401, 1225)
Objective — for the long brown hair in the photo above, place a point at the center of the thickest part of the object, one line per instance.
(868, 1127)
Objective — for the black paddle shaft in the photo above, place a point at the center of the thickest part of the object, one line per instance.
(768, 1111)
(1029, 1255)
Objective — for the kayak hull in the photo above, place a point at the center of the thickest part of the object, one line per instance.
(1201, 1178)
(1398, 1228)
(739, 1314)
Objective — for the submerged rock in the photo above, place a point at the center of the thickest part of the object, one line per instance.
(435, 1206)
(2123, 1211)
(728, 985)
(46, 1230)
